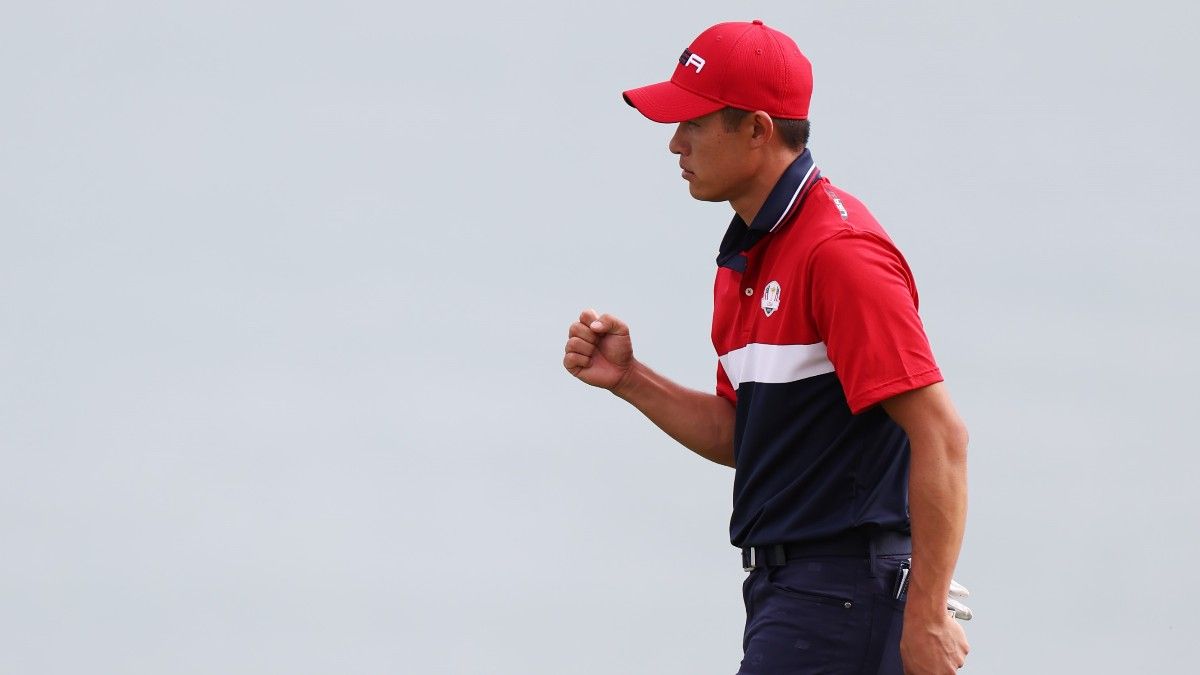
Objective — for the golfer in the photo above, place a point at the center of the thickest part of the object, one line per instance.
(849, 457)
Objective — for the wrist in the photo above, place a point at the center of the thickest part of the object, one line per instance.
(626, 387)
(924, 607)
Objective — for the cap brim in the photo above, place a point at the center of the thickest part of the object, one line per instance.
(668, 102)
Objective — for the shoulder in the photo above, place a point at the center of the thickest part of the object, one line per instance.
(839, 228)
(829, 212)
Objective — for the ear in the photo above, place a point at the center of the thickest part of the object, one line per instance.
(762, 129)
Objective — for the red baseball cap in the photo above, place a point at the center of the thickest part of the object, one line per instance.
(743, 65)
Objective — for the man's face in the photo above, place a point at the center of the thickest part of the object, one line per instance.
(715, 161)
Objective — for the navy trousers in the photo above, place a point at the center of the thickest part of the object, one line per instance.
(823, 616)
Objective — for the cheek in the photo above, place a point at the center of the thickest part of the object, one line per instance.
(715, 164)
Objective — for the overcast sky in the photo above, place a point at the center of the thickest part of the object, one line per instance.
(284, 289)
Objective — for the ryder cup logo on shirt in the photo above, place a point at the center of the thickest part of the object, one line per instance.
(770, 298)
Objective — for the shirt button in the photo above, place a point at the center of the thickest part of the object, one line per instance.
(749, 292)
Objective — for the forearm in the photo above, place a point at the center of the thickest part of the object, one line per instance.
(937, 490)
(701, 422)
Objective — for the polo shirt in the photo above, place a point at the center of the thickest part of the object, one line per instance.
(814, 323)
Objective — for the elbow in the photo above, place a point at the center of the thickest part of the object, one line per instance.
(945, 441)
(723, 448)
(957, 431)
(957, 437)
(721, 452)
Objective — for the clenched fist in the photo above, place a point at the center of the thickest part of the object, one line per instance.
(599, 350)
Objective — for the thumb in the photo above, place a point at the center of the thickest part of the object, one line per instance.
(607, 323)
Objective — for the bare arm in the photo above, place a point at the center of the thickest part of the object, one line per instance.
(933, 642)
(599, 352)
(702, 422)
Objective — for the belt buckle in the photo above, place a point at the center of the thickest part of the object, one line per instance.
(749, 559)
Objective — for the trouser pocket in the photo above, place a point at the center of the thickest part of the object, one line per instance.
(805, 618)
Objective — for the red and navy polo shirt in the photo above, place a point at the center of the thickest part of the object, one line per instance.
(815, 322)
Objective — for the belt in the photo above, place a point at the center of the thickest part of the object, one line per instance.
(852, 544)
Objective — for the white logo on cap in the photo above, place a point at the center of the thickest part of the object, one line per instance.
(687, 58)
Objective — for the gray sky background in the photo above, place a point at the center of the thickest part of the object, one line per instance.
(284, 289)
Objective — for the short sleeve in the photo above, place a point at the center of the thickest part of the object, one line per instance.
(864, 304)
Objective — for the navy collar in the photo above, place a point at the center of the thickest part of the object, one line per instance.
(781, 204)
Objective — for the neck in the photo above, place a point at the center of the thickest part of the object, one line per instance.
(750, 201)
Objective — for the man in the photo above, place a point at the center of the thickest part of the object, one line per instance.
(828, 401)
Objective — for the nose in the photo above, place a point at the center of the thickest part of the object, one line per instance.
(676, 144)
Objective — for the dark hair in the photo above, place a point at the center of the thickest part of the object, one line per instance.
(794, 133)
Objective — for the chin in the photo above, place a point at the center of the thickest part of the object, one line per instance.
(699, 194)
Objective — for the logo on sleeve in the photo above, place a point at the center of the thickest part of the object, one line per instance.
(770, 298)
(837, 202)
